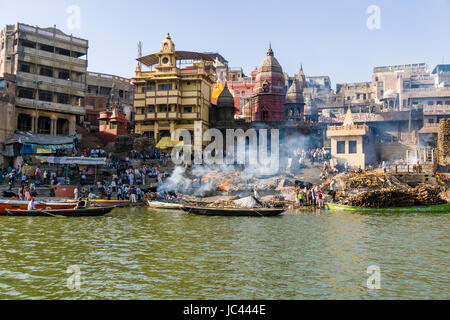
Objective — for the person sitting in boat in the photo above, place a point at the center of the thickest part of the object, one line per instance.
(31, 205)
(81, 204)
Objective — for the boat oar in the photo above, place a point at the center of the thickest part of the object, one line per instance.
(258, 212)
(53, 215)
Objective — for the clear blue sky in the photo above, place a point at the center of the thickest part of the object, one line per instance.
(328, 37)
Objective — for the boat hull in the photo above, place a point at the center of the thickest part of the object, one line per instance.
(23, 205)
(242, 212)
(436, 208)
(90, 212)
(163, 205)
(107, 203)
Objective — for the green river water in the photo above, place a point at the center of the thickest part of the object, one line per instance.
(146, 254)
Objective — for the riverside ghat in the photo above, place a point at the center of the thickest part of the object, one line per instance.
(249, 186)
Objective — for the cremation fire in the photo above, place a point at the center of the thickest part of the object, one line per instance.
(224, 186)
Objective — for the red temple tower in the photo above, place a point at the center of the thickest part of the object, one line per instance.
(269, 91)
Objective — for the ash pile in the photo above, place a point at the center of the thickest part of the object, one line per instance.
(230, 186)
(397, 196)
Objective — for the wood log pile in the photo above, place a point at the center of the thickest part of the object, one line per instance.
(422, 195)
(143, 144)
(354, 180)
(124, 143)
(444, 142)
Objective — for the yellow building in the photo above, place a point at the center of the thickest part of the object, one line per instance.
(173, 96)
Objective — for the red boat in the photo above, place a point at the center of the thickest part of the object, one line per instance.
(23, 205)
(87, 212)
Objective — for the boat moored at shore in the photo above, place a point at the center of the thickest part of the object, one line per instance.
(433, 209)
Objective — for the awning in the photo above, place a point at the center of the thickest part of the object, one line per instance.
(40, 140)
(167, 143)
(153, 59)
(433, 129)
(73, 160)
(29, 143)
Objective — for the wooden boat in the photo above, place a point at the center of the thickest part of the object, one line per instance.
(243, 212)
(90, 212)
(163, 205)
(106, 203)
(436, 208)
(23, 205)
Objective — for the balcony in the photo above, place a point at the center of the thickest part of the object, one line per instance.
(30, 77)
(51, 56)
(436, 110)
(50, 106)
(426, 92)
(343, 131)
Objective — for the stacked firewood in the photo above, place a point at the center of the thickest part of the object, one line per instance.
(143, 144)
(444, 142)
(422, 195)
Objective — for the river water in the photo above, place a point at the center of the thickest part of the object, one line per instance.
(140, 253)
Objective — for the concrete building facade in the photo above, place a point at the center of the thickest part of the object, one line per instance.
(50, 71)
(105, 92)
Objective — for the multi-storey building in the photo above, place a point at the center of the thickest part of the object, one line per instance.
(173, 97)
(7, 97)
(106, 91)
(50, 70)
(357, 92)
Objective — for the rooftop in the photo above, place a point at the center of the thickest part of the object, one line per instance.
(153, 59)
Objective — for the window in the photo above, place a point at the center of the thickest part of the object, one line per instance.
(93, 89)
(102, 122)
(62, 127)
(439, 103)
(340, 147)
(24, 67)
(113, 125)
(47, 48)
(24, 122)
(447, 103)
(63, 98)
(63, 52)
(352, 147)
(151, 109)
(430, 103)
(151, 88)
(45, 96)
(28, 44)
(165, 87)
(64, 74)
(162, 108)
(47, 72)
(26, 93)
(44, 125)
(187, 109)
(105, 91)
(120, 126)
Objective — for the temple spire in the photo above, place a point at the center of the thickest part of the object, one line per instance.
(270, 51)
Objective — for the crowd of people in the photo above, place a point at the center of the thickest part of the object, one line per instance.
(312, 196)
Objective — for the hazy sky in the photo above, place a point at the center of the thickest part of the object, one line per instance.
(328, 37)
